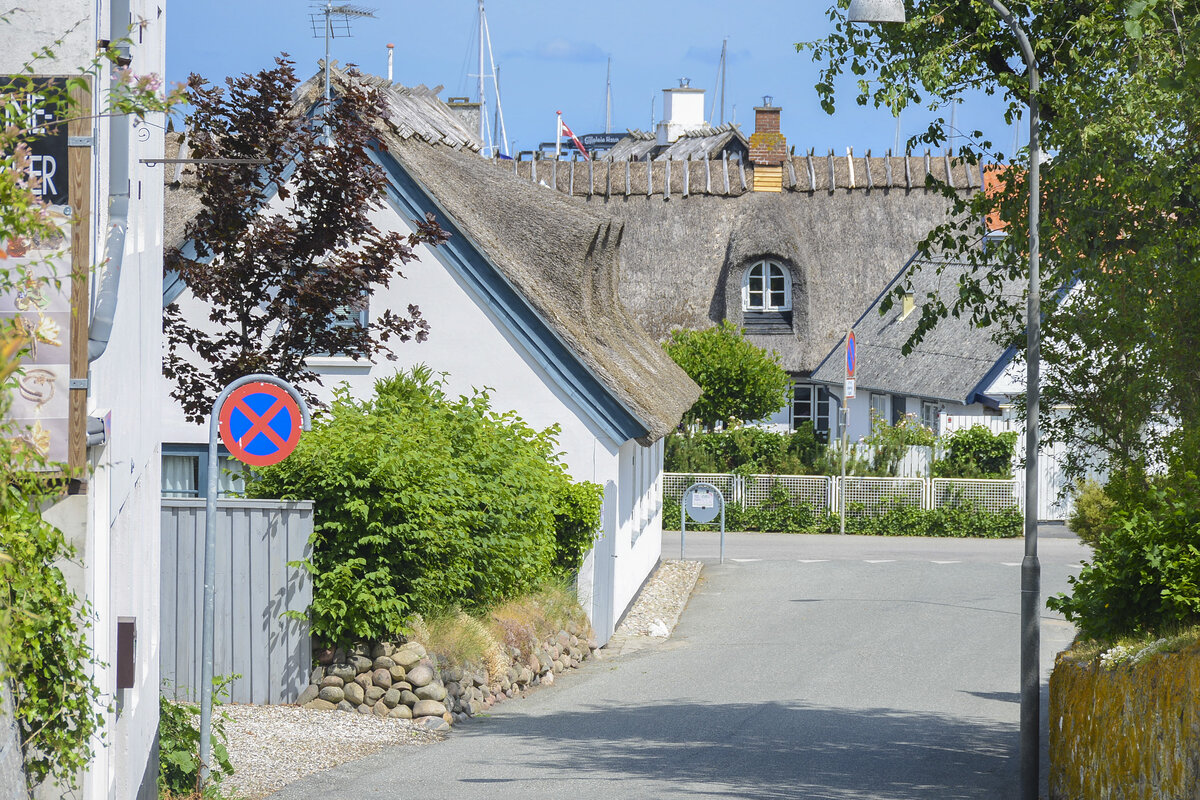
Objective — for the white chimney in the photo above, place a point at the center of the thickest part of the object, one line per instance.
(683, 112)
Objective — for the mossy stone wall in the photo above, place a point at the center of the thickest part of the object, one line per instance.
(1128, 733)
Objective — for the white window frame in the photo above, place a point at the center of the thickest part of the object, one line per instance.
(881, 406)
(818, 396)
(766, 270)
(931, 415)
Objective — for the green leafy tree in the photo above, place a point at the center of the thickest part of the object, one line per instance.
(741, 381)
(1121, 197)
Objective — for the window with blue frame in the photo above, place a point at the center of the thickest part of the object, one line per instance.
(185, 472)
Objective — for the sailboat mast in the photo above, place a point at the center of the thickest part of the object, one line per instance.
(724, 44)
(482, 96)
(608, 98)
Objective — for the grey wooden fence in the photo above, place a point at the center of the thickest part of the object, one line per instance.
(256, 539)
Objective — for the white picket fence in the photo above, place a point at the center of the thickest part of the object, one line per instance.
(864, 496)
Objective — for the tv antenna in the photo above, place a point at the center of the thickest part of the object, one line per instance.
(332, 21)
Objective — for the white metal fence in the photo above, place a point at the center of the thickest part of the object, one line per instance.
(864, 496)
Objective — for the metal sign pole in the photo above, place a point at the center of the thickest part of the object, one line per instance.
(845, 415)
(722, 532)
(210, 555)
(682, 525)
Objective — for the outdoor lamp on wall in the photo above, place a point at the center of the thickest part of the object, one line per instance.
(874, 11)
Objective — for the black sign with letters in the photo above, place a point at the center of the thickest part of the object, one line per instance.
(37, 107)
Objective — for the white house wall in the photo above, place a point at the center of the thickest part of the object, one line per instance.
(115, 525)
(469, 343)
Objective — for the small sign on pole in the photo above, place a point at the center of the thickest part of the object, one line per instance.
(703, 502)
(847, 396)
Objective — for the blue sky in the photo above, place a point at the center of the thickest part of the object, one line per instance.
(553, 56)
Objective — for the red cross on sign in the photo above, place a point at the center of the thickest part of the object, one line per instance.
(260, 424)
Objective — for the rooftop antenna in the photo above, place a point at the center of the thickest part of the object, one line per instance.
(721, 81)
(652, 98)
(332, 21)
(485, 131)
(608, 98)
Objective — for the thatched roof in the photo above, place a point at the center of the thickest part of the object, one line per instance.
(729, 178)
(562, 258)
(951, 363)
(705, 142)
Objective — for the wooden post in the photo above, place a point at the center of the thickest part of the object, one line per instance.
(571, 179)
(628, 183)
(870, 180)
(832, 172)
(667, 180)
(725, 164)
(887, 169)
(649, 176)
(742, 173)
(707, 174)
(949, 169)
(850, 165)
(79, 166)
(907, 170)
(687, 174)
(792, 171)
(812, 173)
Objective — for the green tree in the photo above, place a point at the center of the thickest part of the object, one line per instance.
(741, 382)
(1120, 102)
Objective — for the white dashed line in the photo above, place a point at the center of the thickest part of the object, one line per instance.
(812, 560)
(879, 561)
(1011, 563)
(745, 560)
(945, 562)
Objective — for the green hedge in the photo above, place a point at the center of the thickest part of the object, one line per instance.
(964, 521)
(423, 503)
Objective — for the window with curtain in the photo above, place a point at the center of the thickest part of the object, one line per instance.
(185, 473)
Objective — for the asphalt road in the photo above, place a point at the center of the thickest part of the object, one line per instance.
(803, 667)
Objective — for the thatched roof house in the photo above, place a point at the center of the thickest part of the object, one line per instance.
(957, 362)
(794, 262)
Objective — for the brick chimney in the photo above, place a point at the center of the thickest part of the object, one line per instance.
(768, 147)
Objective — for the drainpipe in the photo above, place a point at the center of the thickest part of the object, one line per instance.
(106, 297)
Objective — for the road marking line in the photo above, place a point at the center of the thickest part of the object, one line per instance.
(812, 560)
(879, 561)
(745, 560)
(1011, 563)
(945, 562)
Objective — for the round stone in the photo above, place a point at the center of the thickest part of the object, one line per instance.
(433, 691)
(453, 689)
(332, 694)
(332, 680)
(361, 664)
(382, 678)
(319, 705)
(345, 706)
(380, 709)
(400, 712)
(420, 676)
(364, 709)
(428, 708)
(397, 673)
(354, 693)
(383, 662)
(406, 658)
(408, 698)
(361, 649)
(325, 656)
(317, 674)
(343, 671)
(382, 649)
(363, 680)
(392, 698)
(310, 693)
(374, 695)
(434, 724)
(452, 674)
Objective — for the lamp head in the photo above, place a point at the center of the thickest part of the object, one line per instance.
(876, 11)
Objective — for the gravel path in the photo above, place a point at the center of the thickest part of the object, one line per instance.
(661, 601)
(271, 746)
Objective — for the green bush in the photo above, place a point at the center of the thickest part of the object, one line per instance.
(179, 745)
(748, 451)
(962, 521)
(976, 452)
(1144, 577)
(890, 443)
(423, 504)
(1092, 516)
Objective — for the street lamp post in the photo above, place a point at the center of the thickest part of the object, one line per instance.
(875, 11)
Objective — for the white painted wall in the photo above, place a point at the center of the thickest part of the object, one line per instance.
(116, 524)
(469, 344)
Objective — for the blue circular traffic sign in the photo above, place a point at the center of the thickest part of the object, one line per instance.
(260, 424)
(851, 354)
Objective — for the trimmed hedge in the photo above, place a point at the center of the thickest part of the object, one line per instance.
(964, 521)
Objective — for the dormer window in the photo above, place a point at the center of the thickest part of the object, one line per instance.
(766, 287)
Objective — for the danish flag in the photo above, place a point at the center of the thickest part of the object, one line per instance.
(563, 129)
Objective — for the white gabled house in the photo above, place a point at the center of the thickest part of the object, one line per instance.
(522, 299)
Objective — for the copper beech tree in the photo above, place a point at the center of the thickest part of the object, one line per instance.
(283, 253)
